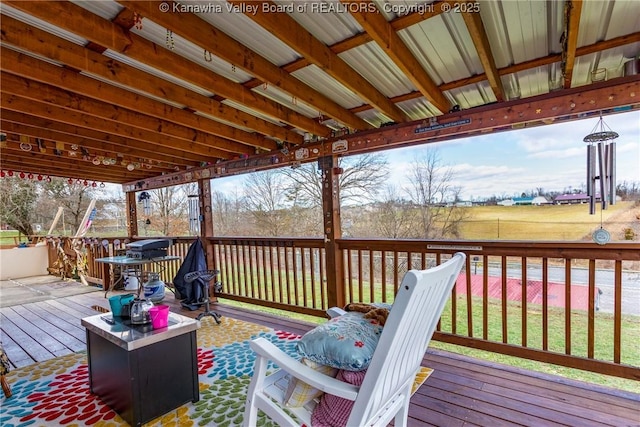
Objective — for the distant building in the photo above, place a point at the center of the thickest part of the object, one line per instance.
(569, 199)
(521, 201)
(572, 198)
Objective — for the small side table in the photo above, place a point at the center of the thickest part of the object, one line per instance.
(139, 372)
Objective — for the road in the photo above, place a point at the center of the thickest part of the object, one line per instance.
(580, 276)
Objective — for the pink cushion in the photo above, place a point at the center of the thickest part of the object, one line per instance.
(333, 411)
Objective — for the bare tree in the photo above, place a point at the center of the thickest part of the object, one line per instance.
(360, 180)
(73, 196)
(169, 211)
(393, 216)
(17, 203)
(266, 202)
(434, 195)
(228, 215)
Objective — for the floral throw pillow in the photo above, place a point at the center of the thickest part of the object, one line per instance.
(346, 342)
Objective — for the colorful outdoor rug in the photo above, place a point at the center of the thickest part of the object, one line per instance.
(56, 392)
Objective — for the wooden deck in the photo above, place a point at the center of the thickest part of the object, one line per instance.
(462, 391)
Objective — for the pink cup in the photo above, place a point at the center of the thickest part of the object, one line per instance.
(159, 316)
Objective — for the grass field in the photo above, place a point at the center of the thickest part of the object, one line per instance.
(11, 238)
(562, 222)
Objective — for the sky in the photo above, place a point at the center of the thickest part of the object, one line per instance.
(552, 157)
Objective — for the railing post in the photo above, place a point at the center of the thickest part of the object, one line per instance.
(132, 214)
(332, 230)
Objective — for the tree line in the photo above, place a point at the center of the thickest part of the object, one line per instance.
(278, 202)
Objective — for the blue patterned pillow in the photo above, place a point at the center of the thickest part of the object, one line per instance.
(346, 342)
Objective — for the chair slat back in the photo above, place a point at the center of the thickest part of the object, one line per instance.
(412, 320)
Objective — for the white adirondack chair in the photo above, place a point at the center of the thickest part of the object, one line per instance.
(386, 388)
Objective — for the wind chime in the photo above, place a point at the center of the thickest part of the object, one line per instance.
(194, 214)
(601, 152)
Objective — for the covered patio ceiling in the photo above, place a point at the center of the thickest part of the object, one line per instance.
(149, 93)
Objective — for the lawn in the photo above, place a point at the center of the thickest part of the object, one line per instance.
(561, 222)
(11, 238)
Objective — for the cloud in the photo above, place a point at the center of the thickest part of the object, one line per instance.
(559, 154)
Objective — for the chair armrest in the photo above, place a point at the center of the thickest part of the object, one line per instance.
(327, 384)
(334, 312)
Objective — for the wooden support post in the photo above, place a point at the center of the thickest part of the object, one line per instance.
(206, 224)
(332, 229)
(132, 214)
(206, 219)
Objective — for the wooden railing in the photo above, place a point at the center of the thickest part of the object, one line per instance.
(558, 302)
(287, 274)
(571, 304)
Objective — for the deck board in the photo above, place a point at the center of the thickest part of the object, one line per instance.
(462, 391)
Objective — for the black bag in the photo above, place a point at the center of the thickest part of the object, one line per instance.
(191, 293)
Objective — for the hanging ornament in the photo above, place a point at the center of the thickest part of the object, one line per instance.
(25, 146)
(10, 173)
(207, 56)
(600, 138)
(2, 174)
(22, 175)
(70, 181)
(170, 43)
(85, 182)
(40, 177)
(131, 167)
(74, 147)
(605, 156)
(96, 160)
(137, 21)
(30, 176)
(73, 154)
(102, 185)
(94, 184)
(48, 178)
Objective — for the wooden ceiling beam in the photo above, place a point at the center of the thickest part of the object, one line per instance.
(91, 138)
(480, 40)
(77, 57)
(569, 104)
(202, 34)
(147, 52)
(570, 39)
(38, 165)
(527, 65)
(298, 38)
(29, 106)
(54, 139)
(359, 39)
(41, 92)
(385, 36)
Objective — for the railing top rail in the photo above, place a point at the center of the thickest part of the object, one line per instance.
(579, 250)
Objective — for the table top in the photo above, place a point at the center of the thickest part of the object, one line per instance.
(125, 260)
(132, 337)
